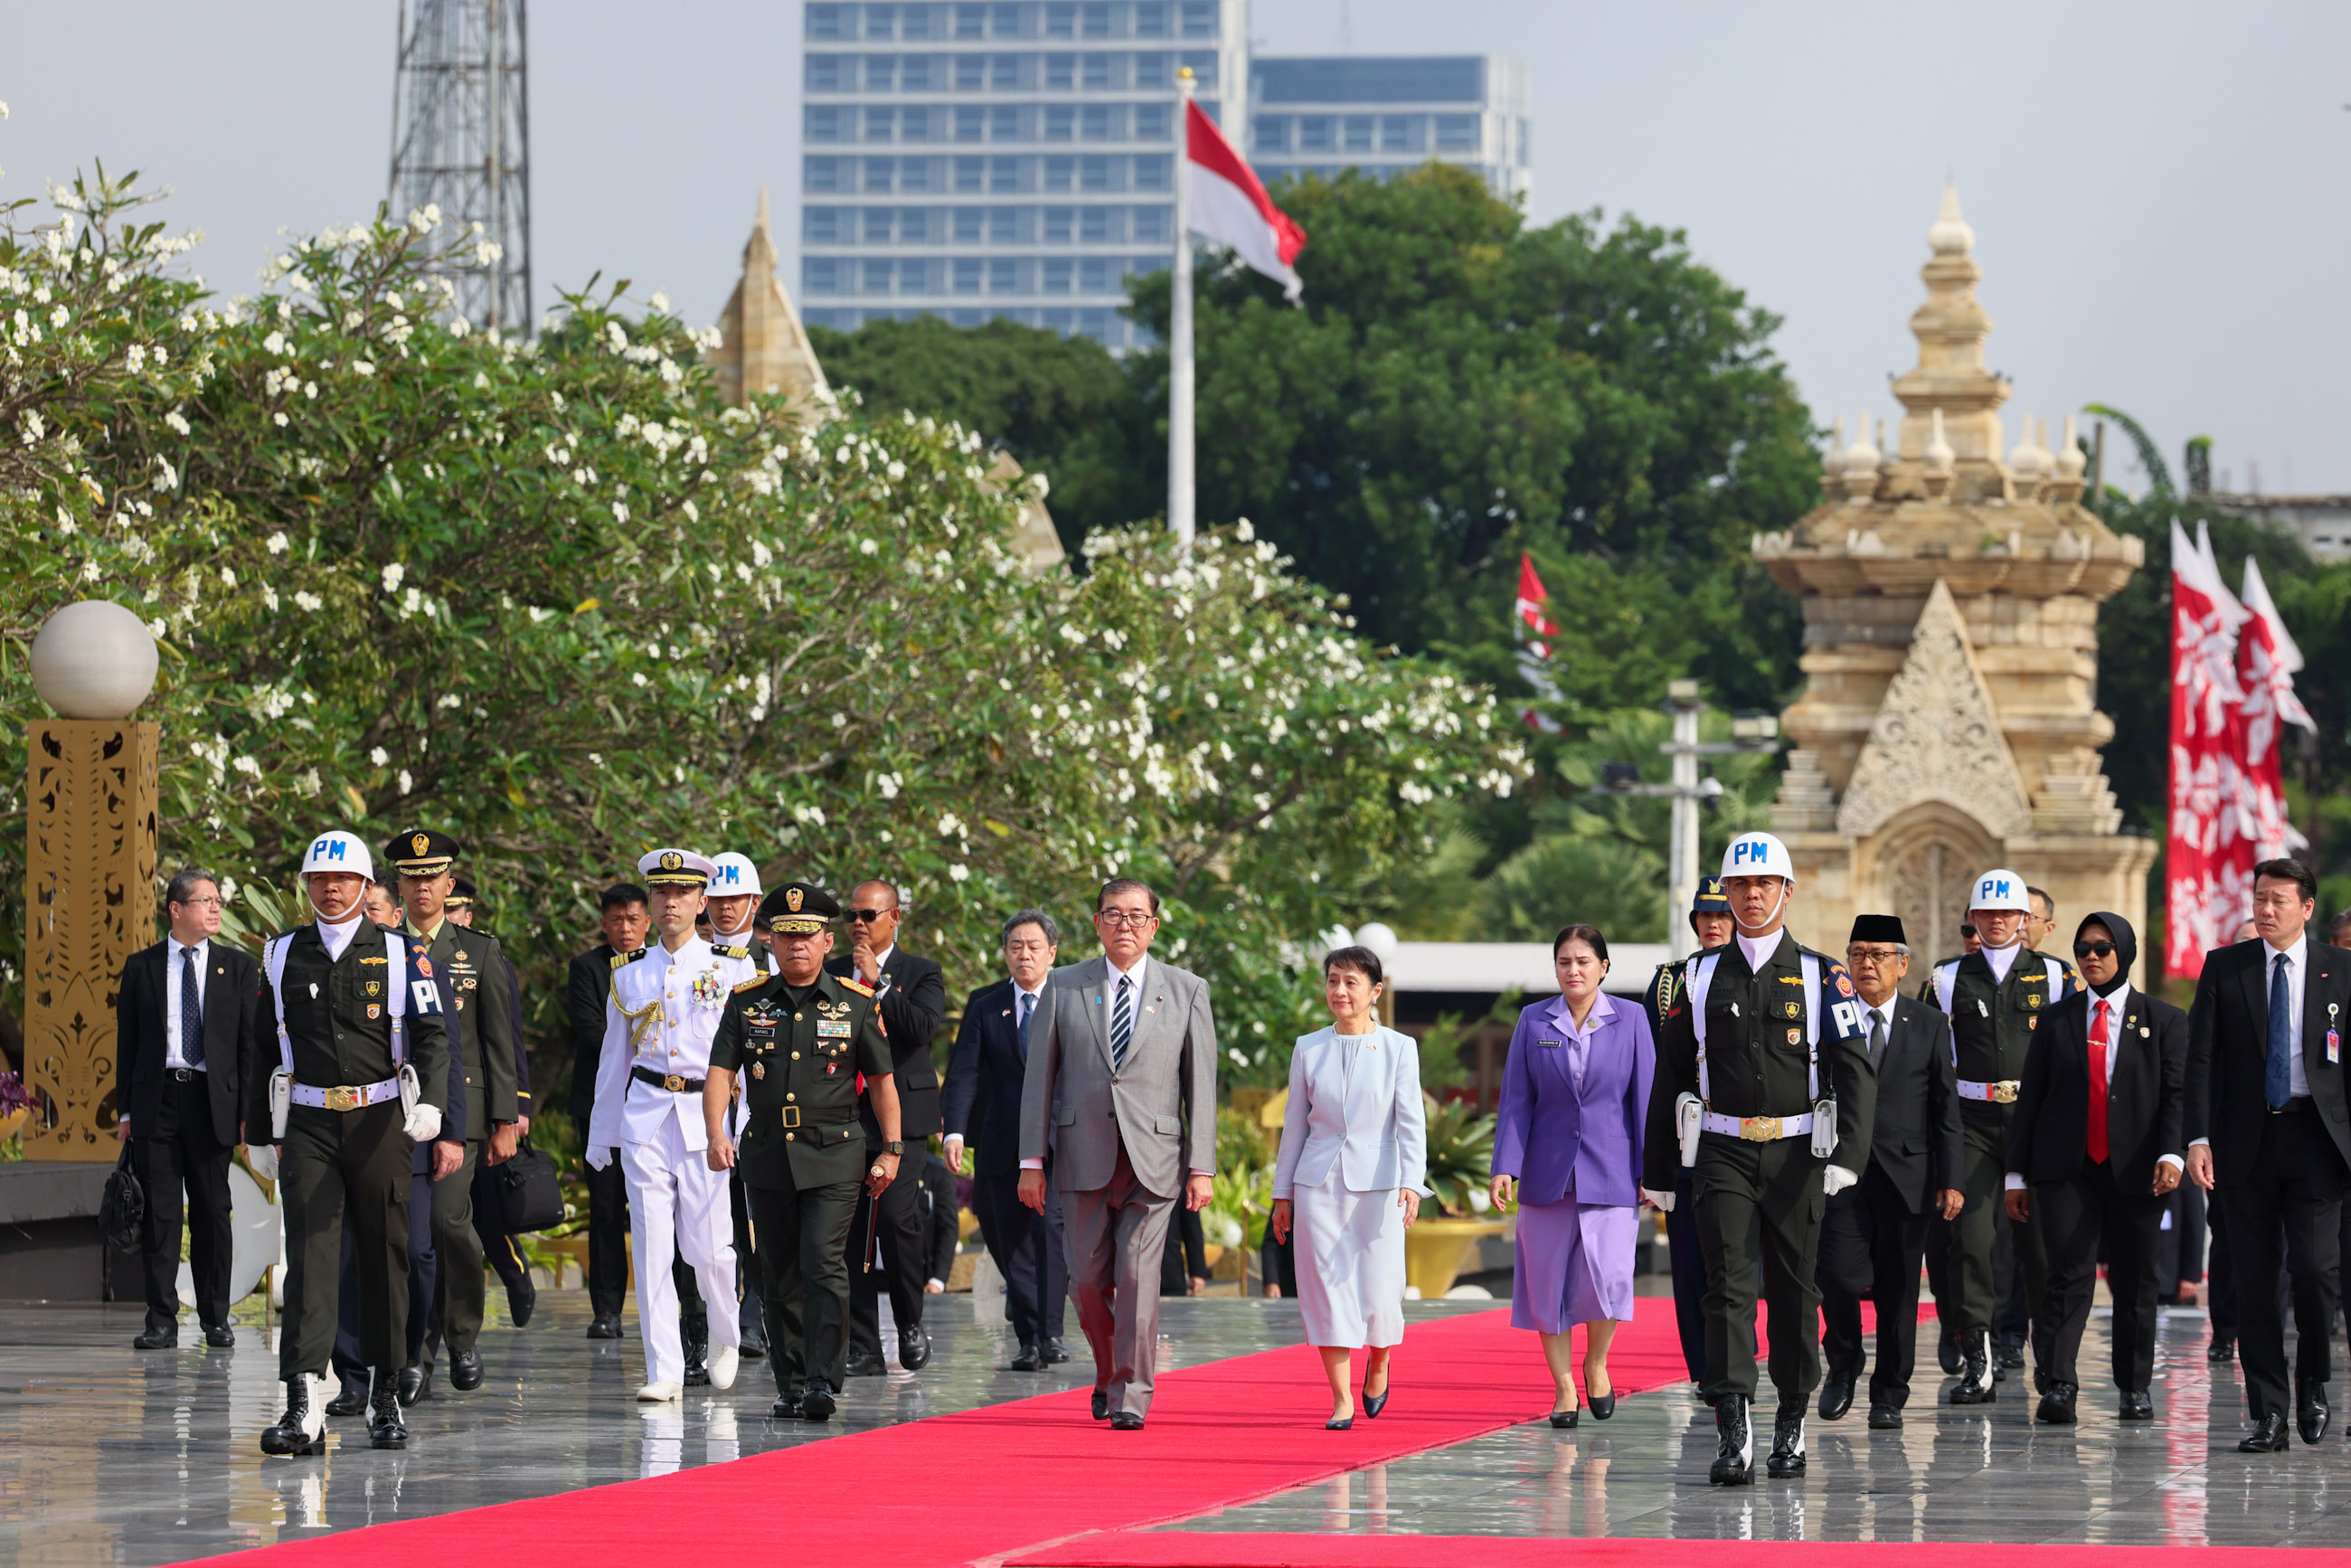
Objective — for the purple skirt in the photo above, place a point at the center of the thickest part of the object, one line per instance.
(1574, 1264)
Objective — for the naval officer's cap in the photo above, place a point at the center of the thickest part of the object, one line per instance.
(798, 909)
(421, 852)
(674, 868)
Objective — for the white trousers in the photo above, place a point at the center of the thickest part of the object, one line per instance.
(677, 1205)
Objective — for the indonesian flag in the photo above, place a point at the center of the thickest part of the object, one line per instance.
(2208, 856)
(2266, 660)
(1228, 203)
(1535, 653)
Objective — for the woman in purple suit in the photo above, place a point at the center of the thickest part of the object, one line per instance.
(1575, 1094)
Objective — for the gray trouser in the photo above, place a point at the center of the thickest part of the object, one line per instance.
(1115, 1234)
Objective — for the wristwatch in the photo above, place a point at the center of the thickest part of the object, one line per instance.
(894, 1146)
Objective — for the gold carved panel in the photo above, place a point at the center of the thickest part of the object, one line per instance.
(89, 903)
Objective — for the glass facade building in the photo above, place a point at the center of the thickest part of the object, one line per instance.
(1386, 114)
(974, 159)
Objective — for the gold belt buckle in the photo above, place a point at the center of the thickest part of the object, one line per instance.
(343, 1097)
(674, 1083)
(2004, 1091)
(792, 1115)
(1760, 1129)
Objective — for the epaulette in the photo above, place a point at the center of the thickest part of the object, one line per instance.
(753, 984)
(622, 960)
(854, 984)
(731, 952)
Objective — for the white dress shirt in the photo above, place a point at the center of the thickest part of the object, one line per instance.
(1758, 949)
(2117, 1005)
(174, 1053)
(2002, 960)
(338, 938)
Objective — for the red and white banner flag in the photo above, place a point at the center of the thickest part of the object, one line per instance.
(1533, 632)
(2207, 858)
(2266, 660)
(1228, 203)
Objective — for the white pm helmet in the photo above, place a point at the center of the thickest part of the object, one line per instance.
(734, 876)
(1756, 854)
(2000, 890)
(337, 851)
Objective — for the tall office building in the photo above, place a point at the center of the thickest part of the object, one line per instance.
(1387, 114)
(983, 158)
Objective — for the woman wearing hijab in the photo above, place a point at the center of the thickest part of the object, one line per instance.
(2094, 1151)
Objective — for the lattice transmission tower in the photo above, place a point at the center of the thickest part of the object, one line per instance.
(461, 142)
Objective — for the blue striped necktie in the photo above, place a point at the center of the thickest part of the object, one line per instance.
(1121, 1023)
(2277, 1078)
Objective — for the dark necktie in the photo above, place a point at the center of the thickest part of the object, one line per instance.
(1027, 1007)
(1121, 1024)
(191, 1012)
(2277, 1082)
(1876, 1036)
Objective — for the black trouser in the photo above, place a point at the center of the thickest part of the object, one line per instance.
(180, 1151)
(1759, 1210)
(1689, 1260)
(2012, 1322)
(902, 1222)
(460, 1292)
(2297, 1175)
(748, 1284)
(2075, 1217)
(497, 1247)
(1983, 1168)
(1029, 1250)
(1940, 1244)
(805, 1234)
(1870, 1246)
(422, 1268)
(608, 1257)
(339, 1169)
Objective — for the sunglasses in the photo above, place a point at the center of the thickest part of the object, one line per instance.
(1967, 930)
(869, 914)
(2092, 949)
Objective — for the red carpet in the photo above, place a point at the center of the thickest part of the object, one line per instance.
(1207, 1550)
(1015, 1477)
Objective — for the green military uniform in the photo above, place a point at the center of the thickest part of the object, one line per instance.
(797, 1051)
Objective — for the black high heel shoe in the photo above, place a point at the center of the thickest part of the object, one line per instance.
(1376, 1403)
(1339, 1424)
(1564, 1419)
(1602, 1405)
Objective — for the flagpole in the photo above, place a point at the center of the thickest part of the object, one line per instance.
(1180, 500)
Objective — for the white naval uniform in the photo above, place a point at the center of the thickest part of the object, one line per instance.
(677, 1204)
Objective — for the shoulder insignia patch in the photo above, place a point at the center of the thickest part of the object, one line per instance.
(732, 952)
(753, 984)
(1844, 987)
(1790, 980)
(851, 982)
(620, 960)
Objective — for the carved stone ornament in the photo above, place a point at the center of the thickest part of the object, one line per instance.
(1937, 738)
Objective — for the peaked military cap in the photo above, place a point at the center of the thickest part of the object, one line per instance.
(461, 894)
(421, 851)
(1711, 899)
(798, 909)
(674, 868)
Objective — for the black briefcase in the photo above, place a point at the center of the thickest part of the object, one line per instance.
(122, 1209)
(528, 1197)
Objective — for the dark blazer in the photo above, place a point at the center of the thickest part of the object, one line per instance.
(1915, 1138)
(584, 990)
(982, 1101)
(2228, 1047)
(2146, 1101)
(912, 1006)
(230, 1000)
(942, 1232)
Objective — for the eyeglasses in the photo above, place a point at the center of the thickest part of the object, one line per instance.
(2092, 949)
(1870, 957)
(869, 914)
(1127, 917)
(200, 903)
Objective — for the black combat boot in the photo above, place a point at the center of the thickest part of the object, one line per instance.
(303, 1428)
(1787, 1445)
(385, 1427)
(1734, 1450)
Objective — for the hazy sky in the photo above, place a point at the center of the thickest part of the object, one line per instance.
(2157, 187)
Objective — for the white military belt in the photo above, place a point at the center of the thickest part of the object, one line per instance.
(346, 1096)
(1757, 1129)
(2001, 1093)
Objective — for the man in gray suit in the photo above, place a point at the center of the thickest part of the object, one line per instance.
(1120, 1049)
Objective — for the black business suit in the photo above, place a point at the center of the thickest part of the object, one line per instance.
(185, 1125)
(982, 1106)
(1874, 1234)
(2083, 1202)
(913, 998)
(2275, 1170)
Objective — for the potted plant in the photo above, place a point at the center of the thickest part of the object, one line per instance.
(1461, 1160)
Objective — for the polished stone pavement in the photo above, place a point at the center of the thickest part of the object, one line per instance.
(112, 1456)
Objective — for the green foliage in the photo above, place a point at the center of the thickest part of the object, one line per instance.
(1460, 1155)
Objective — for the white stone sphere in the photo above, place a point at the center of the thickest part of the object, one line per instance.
(93, 659)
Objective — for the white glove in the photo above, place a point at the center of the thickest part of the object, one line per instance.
(1835, 1179)
(263, 1159)
(599, 1158)
(1663, 1202)
(424, 1124)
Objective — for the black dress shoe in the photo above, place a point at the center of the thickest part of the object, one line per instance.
(2268, 1436)
(1884, 1418)
(1128, 1421)
(786, 1407)
(2220, 1350)
(415, 1382)
(220, 1337)
(301, 1430)
(2137, 1406)
(866, 1363)
(1836, 1397)
(1787, 1459)
(1055, 1352)
(754, 1348)
(385, 1429)
(605, 1325)
(522, 1299)
(816, 1403)
(1734, 1445)
(2311, 1411)
(158, 1339)
(697, 1362)
(913, 1347)
(2012, 1357)
(1101, 1404)
(350, 1401)
(466, 1370)
(2057, 1405)
(1947, 1351)
(1030, 1359)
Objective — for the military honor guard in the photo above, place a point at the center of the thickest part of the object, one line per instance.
(357, 1082)
(660, 1013)
(796, 1041)
(1996, 998)
(480, 1026)
(1764, 1087)
(1710, 923)
(734, 894)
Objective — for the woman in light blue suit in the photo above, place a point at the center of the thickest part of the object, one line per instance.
(1354, 1147)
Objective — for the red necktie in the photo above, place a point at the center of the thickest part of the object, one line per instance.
(2097, 1143)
